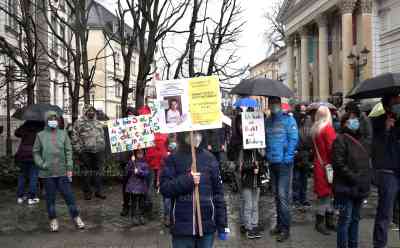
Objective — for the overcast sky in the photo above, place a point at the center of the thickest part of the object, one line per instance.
(252, 43)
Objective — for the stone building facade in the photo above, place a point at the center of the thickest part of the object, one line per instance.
(321, 34)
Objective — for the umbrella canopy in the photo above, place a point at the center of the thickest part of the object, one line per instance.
(262, 87)
(378, 110)
(246, 102)
(385, 84)
(36, 112)
(316, 105)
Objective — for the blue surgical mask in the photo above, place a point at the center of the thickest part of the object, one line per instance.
(396, 109)
(276, 108)
(52, 124)
(172, 146)
(353, 124)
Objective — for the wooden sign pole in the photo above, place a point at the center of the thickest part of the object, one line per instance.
(196, 187)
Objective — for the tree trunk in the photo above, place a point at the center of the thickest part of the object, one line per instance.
(124, 98)
(140, 86)
(30, 91)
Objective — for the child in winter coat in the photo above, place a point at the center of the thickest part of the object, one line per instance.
(137, 171)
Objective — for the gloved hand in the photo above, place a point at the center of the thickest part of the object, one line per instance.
(223, 236)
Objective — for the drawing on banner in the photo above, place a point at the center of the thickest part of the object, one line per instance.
(253, 130)
(132, 133)
(189, 104)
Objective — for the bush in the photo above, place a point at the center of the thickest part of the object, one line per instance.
(9, 171)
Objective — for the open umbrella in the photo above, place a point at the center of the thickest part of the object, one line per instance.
(246, 102)
(378, 110)
(36, 112)
(316, 105)
(379, 86)
(262, 87)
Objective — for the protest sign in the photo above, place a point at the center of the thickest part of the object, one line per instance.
(253, 130)
(132, 133)
(189, 104)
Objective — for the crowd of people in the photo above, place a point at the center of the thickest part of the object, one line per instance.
(344, 150)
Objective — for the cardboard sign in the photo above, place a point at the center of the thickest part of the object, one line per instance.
(189, 104)
(132, 133)
(253, 130)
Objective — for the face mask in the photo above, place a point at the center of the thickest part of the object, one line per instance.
(52, 124)
(396, 110)
(353, 124)
(276, 108)
(196, 139)
(172, 146)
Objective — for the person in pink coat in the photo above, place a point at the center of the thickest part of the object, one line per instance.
(323, 134)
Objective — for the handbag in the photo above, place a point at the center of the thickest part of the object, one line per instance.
(328, 167)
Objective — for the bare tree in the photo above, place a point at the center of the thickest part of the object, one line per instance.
(275, 32)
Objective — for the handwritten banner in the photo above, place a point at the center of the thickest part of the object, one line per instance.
(132, 133)
(253, 130)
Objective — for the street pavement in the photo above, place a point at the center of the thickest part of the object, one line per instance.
(27, 226)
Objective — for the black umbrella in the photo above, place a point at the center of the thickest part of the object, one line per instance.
(315, 106)
(36, 112)
(262, 87)
(376, 87)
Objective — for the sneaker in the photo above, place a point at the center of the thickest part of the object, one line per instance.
(243, 229)
(142, 221)
(253, 234)
(282, 237)
(20, 200)
(54, 225)
(79, 223)
(33, 201)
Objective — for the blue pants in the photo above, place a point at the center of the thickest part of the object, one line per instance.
(349, 218)
(30, 171)
(206, 241)
(282, 176)
(299, 185)
(62, 185)
(388, 187)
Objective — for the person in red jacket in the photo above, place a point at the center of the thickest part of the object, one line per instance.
(323, 134)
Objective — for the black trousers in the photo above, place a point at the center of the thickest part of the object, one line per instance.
(125, 195)
(92, 171)
(137, 204)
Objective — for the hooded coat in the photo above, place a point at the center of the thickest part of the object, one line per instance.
(88, 135)
(52, 151)
(27, 133)
(155, 155)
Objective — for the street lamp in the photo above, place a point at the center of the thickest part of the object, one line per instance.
(357, 62)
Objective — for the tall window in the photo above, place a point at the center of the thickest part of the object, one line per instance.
(118, 112)
(54, 37)
(117, 58)
(118, 90)
(12, 8)
(63, 36)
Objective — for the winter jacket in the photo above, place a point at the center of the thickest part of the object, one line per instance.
(281, 138)
(304, 153)
(251, 160)
(351, 165)
(137, 182)
(156, 155)
(177, 184)
(88, 136)
(385, 145)
(27, 132)
(323, 141)
(52, 153)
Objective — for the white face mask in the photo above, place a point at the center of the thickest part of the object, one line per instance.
(52, 124)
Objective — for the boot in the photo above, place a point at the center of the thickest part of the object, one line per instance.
(135, 221)
(142, 220)
(320, 225)
(330, 221)
(125, 211)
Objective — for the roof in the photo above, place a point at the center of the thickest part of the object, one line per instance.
(270, 59)
(101, 17)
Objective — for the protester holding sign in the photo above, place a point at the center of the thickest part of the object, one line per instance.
(178, 183)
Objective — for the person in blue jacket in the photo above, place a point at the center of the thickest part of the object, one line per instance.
(178, 181)
(281, 143)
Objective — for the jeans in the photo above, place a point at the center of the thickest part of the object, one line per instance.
(299, 185)
(30, 171)
(62, 185)
(388, 187)
(137, 204)
(251, 198)
(206, 241)
(282, 175)
(166, 203)
(92, 170)
(349, 218)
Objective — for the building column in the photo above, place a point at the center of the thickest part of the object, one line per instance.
(305, 82)
(323, 57)
(366, 9)
(290, 67)
(347, 8)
